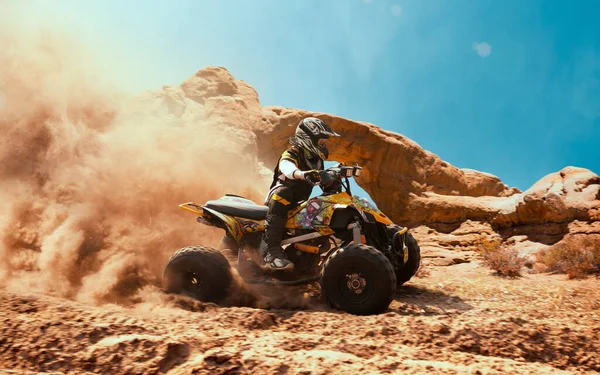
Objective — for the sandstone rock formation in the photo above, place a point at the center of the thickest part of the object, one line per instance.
(449, 208)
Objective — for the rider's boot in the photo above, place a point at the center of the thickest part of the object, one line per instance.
(273, 257)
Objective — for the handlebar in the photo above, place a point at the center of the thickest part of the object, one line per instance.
(342, 170)
(336, 173)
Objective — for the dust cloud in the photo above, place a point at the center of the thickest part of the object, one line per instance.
(91, 178)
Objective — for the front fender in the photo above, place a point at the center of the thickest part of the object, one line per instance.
(373, 213)
(364, 206)
(340, 215)
(379, 216)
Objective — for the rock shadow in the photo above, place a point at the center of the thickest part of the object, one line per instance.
(547, 234)
(445, 228)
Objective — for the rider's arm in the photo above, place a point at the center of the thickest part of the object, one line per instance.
(289, 169)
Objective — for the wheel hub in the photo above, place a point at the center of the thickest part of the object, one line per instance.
(196, 281)
(356, 283)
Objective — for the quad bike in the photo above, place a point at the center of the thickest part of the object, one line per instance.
(357, 253)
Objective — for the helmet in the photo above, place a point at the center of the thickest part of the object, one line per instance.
(308, 133)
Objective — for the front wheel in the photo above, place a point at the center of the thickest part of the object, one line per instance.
(358, 279)
(198, 271)
(405, 271)
(408, 270)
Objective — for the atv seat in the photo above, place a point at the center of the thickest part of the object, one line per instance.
(245, 210)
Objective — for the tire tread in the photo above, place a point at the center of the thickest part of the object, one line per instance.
(375, 257)
(215, 263)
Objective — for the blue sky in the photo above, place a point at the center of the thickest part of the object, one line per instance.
(508, 87)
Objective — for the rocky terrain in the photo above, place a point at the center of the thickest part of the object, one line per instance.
(457, 320)
(90, 187)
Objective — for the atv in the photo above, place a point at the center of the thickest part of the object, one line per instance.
(356, 252)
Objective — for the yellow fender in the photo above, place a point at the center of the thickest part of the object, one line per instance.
(233, 227)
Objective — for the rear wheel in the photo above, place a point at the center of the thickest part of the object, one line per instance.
(200, 272)
(358, 279)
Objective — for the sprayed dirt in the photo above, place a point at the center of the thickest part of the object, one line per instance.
(91, 179)
(457, 320)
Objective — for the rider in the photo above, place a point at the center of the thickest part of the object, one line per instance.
(295, 174)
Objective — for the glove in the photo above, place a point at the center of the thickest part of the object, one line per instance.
(313, 176)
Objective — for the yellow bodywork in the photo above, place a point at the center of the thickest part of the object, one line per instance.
(307, 248)
(318, 211)
(315, 213)
(236, 227)
(192, 207)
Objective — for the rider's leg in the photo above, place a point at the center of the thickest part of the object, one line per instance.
(270, 248)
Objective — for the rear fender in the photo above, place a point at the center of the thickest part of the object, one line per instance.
(214, 218)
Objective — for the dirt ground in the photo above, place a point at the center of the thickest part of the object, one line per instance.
(457, 320)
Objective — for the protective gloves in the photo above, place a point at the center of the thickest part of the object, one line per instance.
(313, 176)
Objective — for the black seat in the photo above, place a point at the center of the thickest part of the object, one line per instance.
(245, 210)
